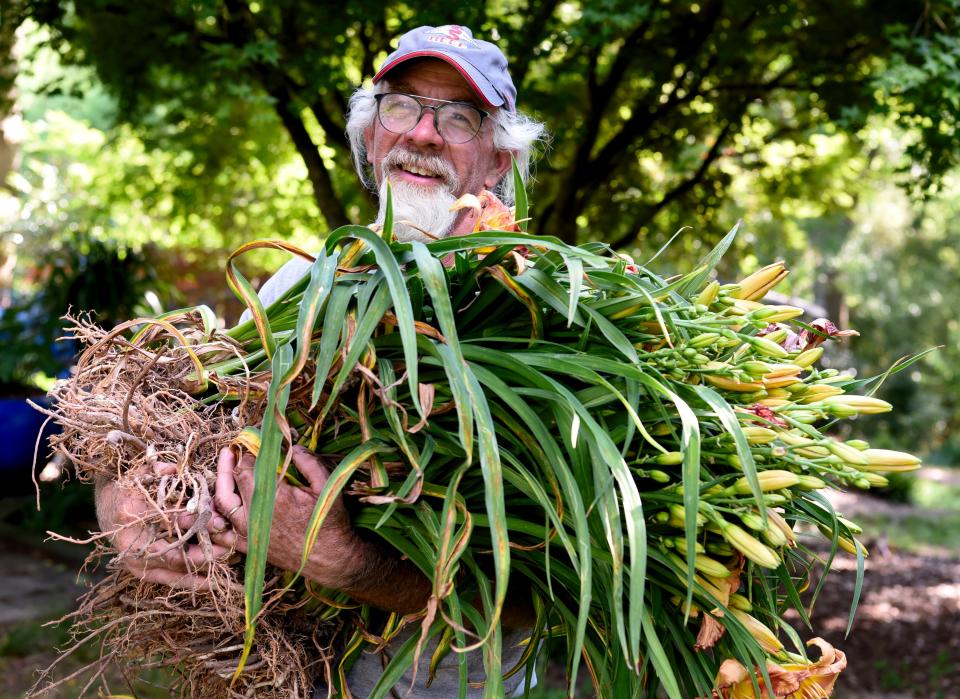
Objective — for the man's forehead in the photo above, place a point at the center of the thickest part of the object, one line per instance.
(415, 75)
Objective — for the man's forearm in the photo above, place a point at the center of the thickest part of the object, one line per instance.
(387, 581)
(394, 584)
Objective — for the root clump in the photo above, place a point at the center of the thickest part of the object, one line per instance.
(128, 416)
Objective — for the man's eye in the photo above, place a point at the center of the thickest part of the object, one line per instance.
(462, 117)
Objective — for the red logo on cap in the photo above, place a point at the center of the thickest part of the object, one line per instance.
(452, 35)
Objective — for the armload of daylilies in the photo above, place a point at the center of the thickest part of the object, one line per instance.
(639, 451)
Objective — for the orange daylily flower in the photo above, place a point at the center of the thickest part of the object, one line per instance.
(491, 213)
(789, 680)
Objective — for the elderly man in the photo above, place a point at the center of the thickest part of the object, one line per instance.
(440, 122)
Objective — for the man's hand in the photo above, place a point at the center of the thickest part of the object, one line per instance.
(146, 539)
(340, 558)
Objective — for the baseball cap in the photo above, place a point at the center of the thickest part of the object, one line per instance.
(481, 63)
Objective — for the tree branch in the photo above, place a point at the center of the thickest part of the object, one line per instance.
(532, 33)
(684, 186)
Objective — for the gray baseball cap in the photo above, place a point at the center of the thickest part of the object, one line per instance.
(481, 63)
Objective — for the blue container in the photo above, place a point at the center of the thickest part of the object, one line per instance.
(20, 425)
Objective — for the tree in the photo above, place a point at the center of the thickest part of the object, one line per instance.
(645, 99)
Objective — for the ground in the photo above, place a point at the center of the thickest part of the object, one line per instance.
(905, 641)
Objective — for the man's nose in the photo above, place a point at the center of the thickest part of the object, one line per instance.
(425, 132)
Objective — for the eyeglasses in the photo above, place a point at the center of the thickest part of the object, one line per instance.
(456, 122)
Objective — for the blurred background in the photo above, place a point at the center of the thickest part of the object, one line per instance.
(141, 142)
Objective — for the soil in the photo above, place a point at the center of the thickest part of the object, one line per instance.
(905, 641)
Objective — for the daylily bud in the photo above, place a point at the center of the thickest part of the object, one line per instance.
(774, 402)
(779, 382)
(711, 566)
(807, 358)
(875, 479)
(676, 512)
(820, 391)
(759, 435)
(889, 460)
(670, 458)
(749, 546)
(777, 520)
(795, 439)
(704, 340)
(776, 314)
(778, 393)
(773, 536)
(807, 417)
(738, 601)
(774, 499)
(811, 483)
(756, 368)
(756, 285)
(858, 444)
(847, 453)
(753, 521)
(742, 307)
(719, 547)
(680, 544)
(864, 405)
(658, 475)
(774, 479)
(848, 545)
(763, 635)
(729, 384)
(777, 336)
(852, 526)
(780, 370)
(709, 293)
(766, 346)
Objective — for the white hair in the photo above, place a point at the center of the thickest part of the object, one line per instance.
(512, 131)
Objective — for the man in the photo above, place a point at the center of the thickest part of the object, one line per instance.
(440, 122)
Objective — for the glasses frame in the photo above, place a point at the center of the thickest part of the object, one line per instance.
(436, 110)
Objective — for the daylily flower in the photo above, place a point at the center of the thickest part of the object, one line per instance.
(491, 213)
(766, 414)
(632, 267)
(796, 680)
(826, 329)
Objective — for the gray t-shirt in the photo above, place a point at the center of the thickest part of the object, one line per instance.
(367, 669)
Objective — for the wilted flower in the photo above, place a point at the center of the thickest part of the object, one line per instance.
(790, 680)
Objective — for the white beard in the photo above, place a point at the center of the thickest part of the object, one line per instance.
(426, 207)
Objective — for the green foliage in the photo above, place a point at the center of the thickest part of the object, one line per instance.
(647, 100)
(920, 86)
(76, 272)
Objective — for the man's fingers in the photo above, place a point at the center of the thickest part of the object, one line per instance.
(177, 580)
(163, 468)
(231, 540)
(225, 496)
(311, 468)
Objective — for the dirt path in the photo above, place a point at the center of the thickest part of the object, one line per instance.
(905, 641)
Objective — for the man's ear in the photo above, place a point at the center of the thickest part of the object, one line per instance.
(368, 143)
(501, 166)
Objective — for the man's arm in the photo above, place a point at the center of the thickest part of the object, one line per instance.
(340, 558)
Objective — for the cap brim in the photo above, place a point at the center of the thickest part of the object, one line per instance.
(474, 78)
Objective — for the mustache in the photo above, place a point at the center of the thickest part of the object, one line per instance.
(399, 157)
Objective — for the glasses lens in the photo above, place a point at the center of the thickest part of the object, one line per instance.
(458, 122)
(398, 113)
